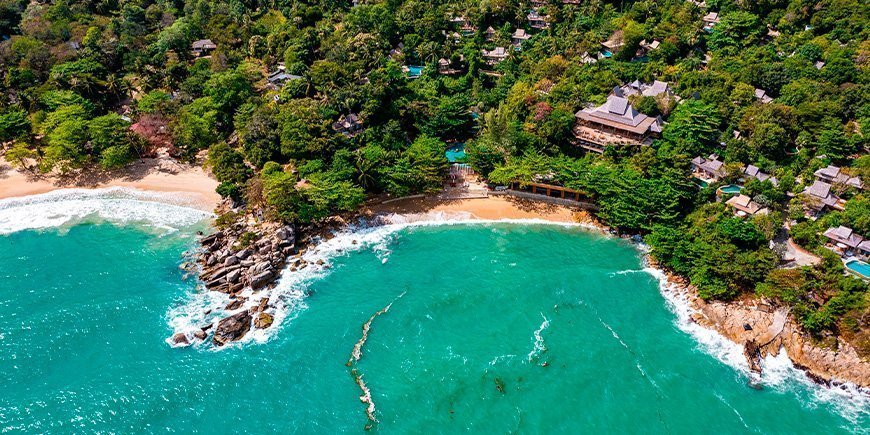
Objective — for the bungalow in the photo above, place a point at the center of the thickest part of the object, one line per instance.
(745, 206)
(587, 59)
(203, 47)
(538, 21)
(646, 47)
(611, 46)
(835, 175)
(519, 36)
(446, 67)
(279, 77)
(613, 123)
(489, 34)
(761, 94)
(710, 169)
(754, 172)
(820, 197)
(494, 56)
(710, 20)
(653, 89)
(843, 236)
(819, 64)
(465, 26)
(349, 125)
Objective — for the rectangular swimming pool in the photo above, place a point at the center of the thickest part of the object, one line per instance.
(859, 267)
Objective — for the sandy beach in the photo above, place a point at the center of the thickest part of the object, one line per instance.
(491, 208)
(158, 175)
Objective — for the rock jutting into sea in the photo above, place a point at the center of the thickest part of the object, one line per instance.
(764, 329)
(243, 257)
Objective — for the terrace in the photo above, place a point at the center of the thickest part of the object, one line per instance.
(614, 123)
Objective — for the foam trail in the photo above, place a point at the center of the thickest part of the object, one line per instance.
(743, 422)
(116, 204)
(539, 346)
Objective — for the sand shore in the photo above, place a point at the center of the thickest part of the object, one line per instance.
(491, 208)
(158, 175)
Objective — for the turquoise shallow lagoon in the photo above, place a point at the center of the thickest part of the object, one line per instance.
(495, 328)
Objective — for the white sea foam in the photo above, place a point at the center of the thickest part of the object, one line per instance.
(59, 208)
(291, 289)
(778, 372)
(538, 345)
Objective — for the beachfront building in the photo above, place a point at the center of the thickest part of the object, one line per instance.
(348, 125)
(745, 206)
(754, 172)
(203, 47)
(494, 56)
(519, 36)
(845, 241)
(762, 96)
(538, 21)
(614, 123)
(818, 197)
(710, 20)
(835, 175)
(709, 170)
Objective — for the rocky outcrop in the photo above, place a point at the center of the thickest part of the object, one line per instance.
(762, 329)
(232, 328)
(246, 258)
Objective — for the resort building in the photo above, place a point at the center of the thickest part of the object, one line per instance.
(587, 59)
(754, 172)
(615, 123)
(203, 47)
(745, 206)
(465, 26)
(835, 175)
(279, 77)
(349, 125)
(709, 170)
(489, 34)
(519, 36)
(819, 197)
(653, 89)
(445, 67)
(494, 56)
(762, 96)
(611, 46)
(846, 241)
(537, 21)
(710, 20)
(645, 47)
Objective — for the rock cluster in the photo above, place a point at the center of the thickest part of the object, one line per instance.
(236, 259)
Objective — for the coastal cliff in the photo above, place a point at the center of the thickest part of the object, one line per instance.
(764, 330)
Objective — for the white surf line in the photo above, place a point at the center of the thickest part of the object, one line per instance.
(742, 421)
(166, 210)
(849, 400)
(538, 343)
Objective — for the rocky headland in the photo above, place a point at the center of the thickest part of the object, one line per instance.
(764, 329)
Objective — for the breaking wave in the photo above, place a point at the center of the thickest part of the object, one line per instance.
(67, 207)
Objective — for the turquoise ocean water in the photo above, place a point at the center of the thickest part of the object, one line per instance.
(495, 328)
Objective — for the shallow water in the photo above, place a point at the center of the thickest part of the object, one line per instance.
(493, 328)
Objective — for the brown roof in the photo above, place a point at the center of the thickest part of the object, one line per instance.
(745, 204)
(844, 235)
(618, 113)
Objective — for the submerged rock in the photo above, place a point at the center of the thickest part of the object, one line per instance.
(232, 328)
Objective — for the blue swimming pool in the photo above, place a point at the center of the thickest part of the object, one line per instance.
(859, 267)
(731, 189)
(415, 71)
(607, 53)
(456, 153)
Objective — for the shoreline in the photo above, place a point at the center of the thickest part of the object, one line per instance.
(823, 366)
(160, 175)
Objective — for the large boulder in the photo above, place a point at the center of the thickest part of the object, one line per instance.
(262, 279)
(232, 328)
(263, 320)
(180, 339)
